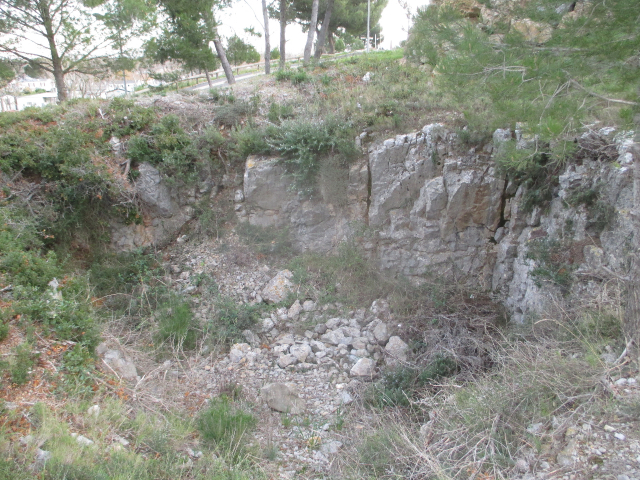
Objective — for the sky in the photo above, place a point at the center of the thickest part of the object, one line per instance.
(243, 15)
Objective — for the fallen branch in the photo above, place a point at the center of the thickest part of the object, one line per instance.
(602, 97)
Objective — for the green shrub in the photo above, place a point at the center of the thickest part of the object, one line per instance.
(400, 385)
(299, 76)
(21, 364)
(248, 141)
(553, 262)
(167, 146)
(231, 318)
(225, 426)
(301, 143)
(4, 329)
(275, 54)
(232, 114)
(284, 74)
(177, 326)
(279, 112)
(125, 118)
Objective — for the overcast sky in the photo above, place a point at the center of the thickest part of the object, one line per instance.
(241, 15)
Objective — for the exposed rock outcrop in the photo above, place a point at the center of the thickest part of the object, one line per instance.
(427, 206)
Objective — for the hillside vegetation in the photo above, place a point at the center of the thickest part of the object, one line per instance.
(551, 71)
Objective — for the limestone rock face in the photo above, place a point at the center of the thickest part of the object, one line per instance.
(282, 398)
(317, 222)
(431, 207)
(165, 209)
(435, 208)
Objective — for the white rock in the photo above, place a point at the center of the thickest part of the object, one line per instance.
(396, 351)
(301, 352)
(82, 440)
(619, 436)
(278, 287)
(367, 77)
(251, 338)
(285, 360)
(345, 398)
(331, 447)
(238, 352)
(381, 333)
(94, 410)
(294, 310)
(282, 398)
(309, 306)
(267, 324)
(365, 367)
(380, 308)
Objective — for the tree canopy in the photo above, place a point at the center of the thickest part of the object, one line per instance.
(348, 16)
(58, 35)
(239, 51)
(186, 35)
(545, 65)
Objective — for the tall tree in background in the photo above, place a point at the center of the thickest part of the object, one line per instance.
(312, 30)
(347, 16)
(60, 32)
(239, 51)
(189, 29)
(322, 36)
(124, 21)
(267, 40)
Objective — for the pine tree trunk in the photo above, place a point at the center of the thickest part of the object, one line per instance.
(283, 38)
(58, 70)
(206, 72)
(223, 60)
(322, 36)
(267, 42)
(332, 44)
(312, 31)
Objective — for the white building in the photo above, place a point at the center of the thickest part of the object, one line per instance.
(14, 103)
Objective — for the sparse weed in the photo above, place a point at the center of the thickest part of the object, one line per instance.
(225, 426)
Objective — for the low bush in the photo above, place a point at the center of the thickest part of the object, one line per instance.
(176, 325)
(225, 427)
(400, 385)
(232, 318)
(302, 143)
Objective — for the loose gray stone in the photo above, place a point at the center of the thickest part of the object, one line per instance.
(381, 333)
(301, 352)
(364, 367)
(285, 360)
(282, 398)
(396, 351)
(294, 310)
(251, 338)
(309, 306)
(278, 287)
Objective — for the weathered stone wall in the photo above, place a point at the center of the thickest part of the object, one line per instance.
(420, 204)
(428, 207)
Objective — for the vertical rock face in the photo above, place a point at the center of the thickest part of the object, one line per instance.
(165, 209)
(317, 222)
(433, 208)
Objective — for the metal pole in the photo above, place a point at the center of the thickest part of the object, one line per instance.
(368, 20)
